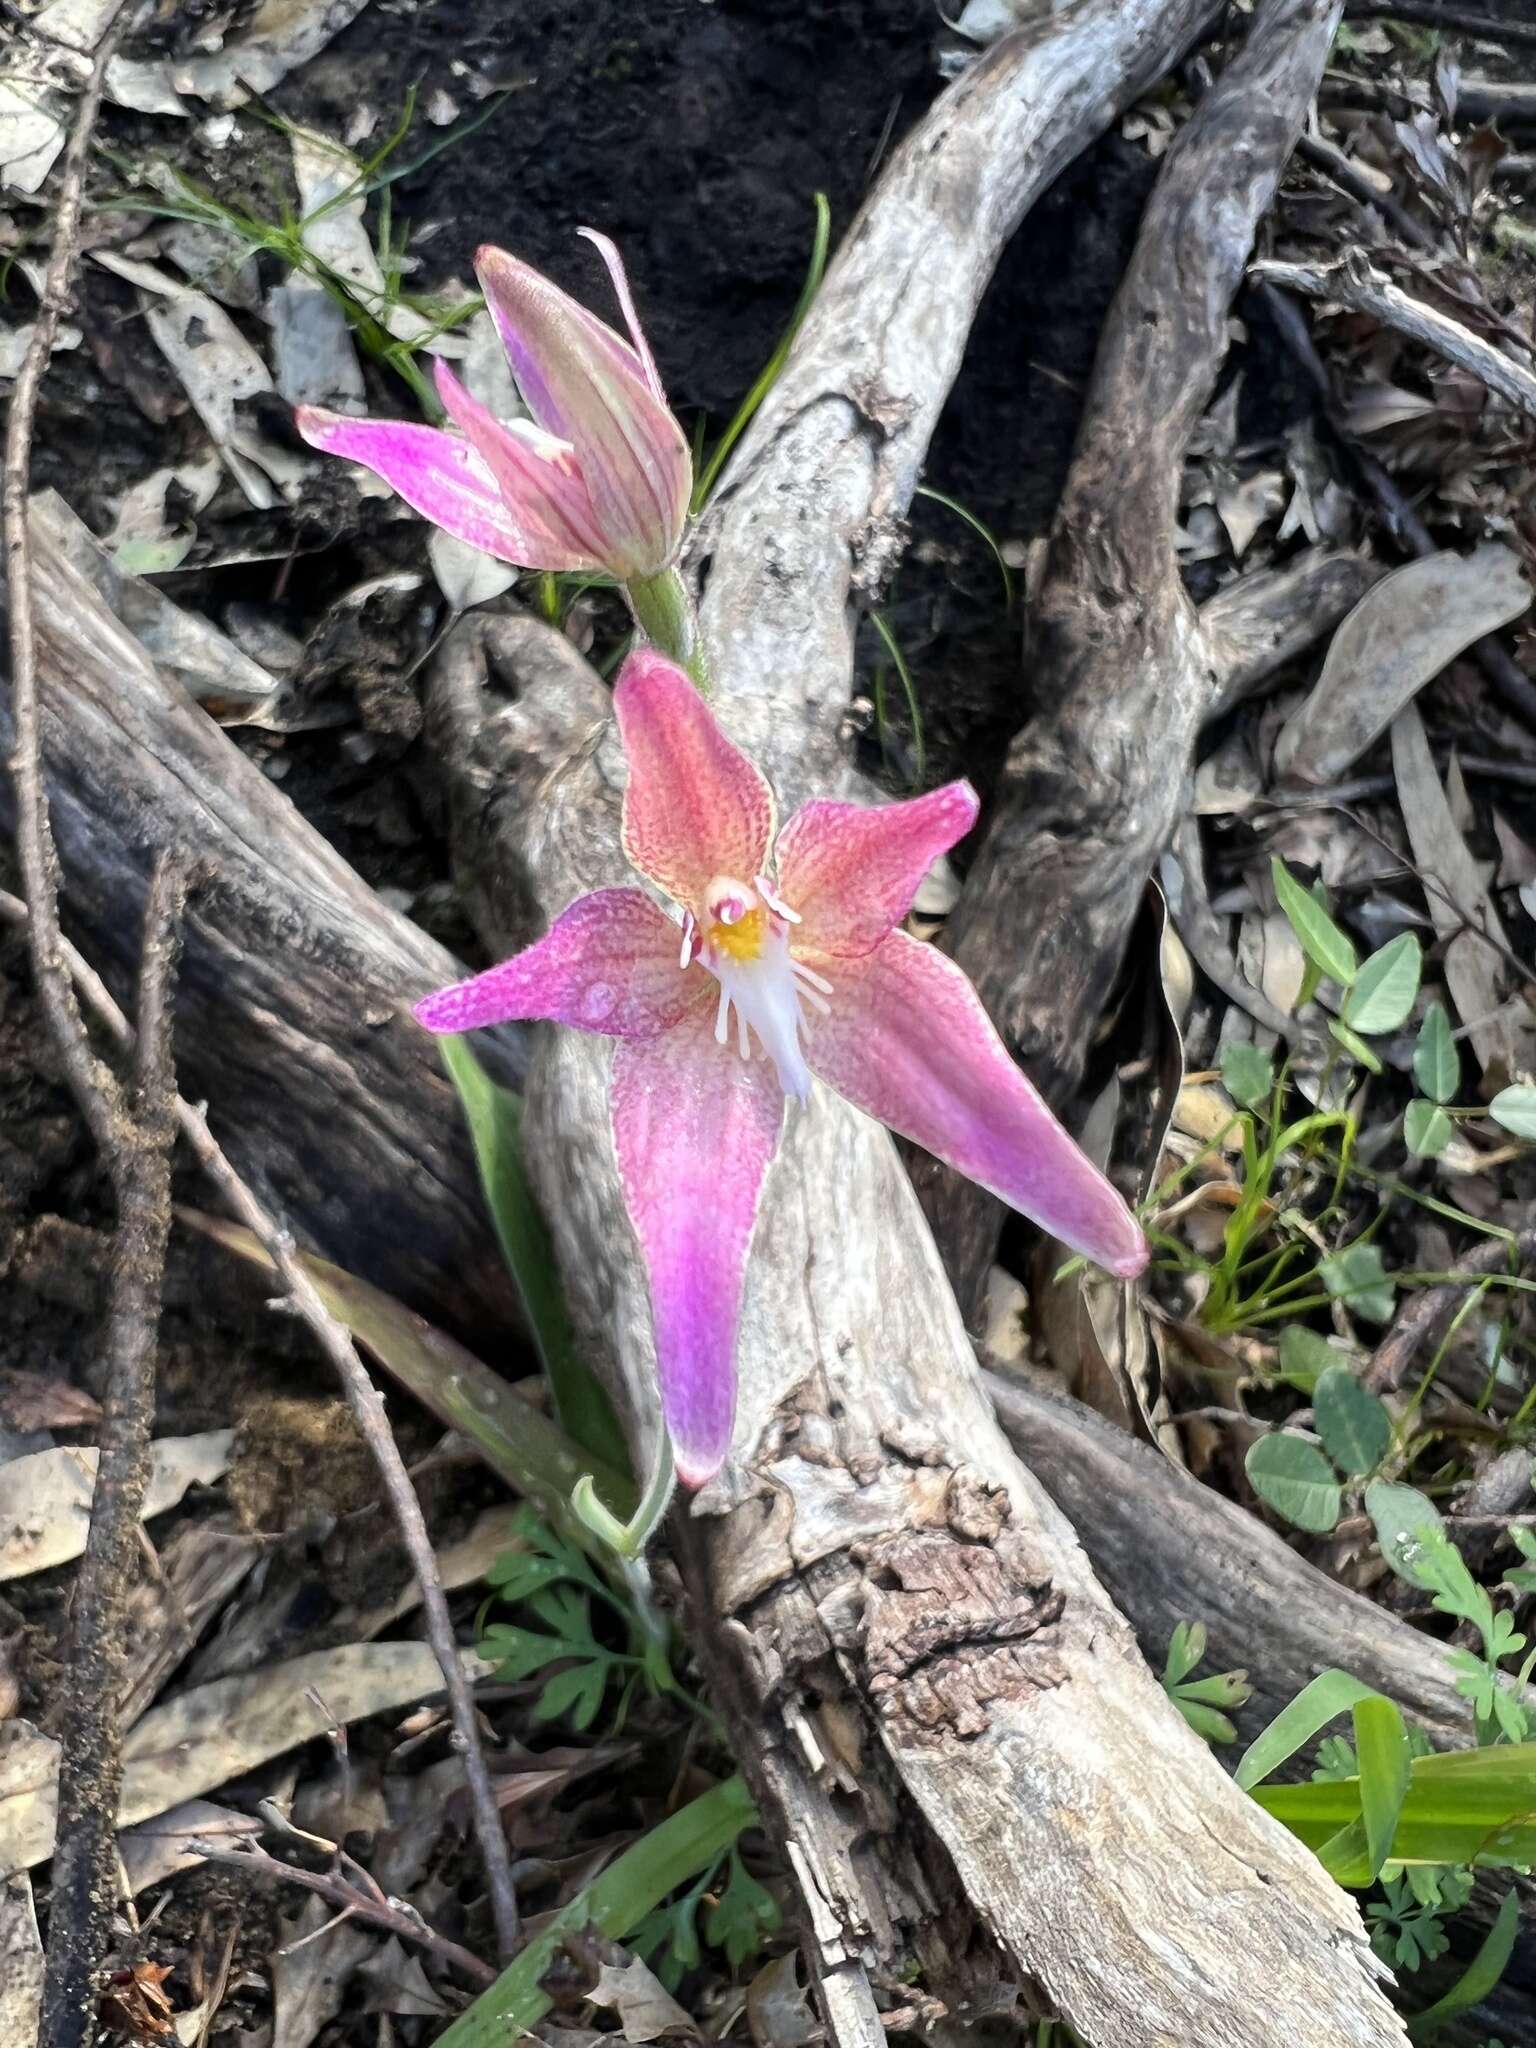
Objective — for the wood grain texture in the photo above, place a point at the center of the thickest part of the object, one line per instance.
(291, 1000)
(948, 1724)
(1122, 672)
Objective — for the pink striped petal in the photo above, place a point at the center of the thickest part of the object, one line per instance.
(695, 807)
(439, 476)
(535, 474)
(851, 870)
(585, 385)
(618, 277)
(609, 963)
(907, 1040)
(694, 1127)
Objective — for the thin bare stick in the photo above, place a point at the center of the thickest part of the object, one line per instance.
(367, 1406)
(93, 1087)
(1358, 288)
(90, 1758)
(1424, 1318)
(355, 1903)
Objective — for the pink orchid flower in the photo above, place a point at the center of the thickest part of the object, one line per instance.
(788, 965)
(598, 479)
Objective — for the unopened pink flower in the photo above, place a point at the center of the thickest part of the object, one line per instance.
(598, 478)
(787, 966)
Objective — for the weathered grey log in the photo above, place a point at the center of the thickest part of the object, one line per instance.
(1122, 674)
(290, 1009)
(1169, 1549)
(948, 1724)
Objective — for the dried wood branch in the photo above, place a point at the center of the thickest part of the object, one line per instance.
(1358, 288)
(90, 1727)
(1093, 787)
(1425, 1316)
(1023, 1774)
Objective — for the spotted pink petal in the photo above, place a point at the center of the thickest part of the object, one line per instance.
(585, 385)
(536, 475)
(694, 1128)
(439, 476)
(851, 870)
(695, 807)
(907, 1040)
(609, 963)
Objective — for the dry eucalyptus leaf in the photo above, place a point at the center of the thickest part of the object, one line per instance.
(45, 1499)
(465, 575)
(1502, 1030)
(311, 1970)
(779, 2010)
(156, 1849)
(647, 2010)
(202, 1739)
(1401, 634)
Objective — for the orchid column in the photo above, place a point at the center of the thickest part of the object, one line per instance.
(596, 481)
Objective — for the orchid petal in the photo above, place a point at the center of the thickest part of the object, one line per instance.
(582, 383)
(536, 475)
(852, 870)
(694, 1129)
(607, 964)
(907, 1040)
(439, 476)
(619, 278)
(695, 807)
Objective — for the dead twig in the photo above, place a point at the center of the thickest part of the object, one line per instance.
(1358, 288)
(90, 1758)
(1455, 21)
(92, 1086)
(354, 1902)
(1424, 1318)
(367, 1406)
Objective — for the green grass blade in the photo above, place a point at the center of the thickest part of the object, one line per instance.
(1330, 1694)
(1481, 1974)
(683, 1847)
(893, 648)
(978, 527)
(1381, 1743)
(768, 376)
(494, 1115)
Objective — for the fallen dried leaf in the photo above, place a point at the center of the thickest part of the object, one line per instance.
(1402, 633)
(647, 2010)
(45, 1499)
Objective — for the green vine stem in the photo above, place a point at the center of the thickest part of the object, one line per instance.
(690, 1842)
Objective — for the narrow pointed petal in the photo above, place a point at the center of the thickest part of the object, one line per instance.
(908, 1041)
(619, 278)
(439, 476)
(851, 870)
(536, 476)
(582, 383)
(695, 1128)
(695, 807)
(609, 964)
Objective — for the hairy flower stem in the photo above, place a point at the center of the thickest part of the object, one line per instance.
(663, 611)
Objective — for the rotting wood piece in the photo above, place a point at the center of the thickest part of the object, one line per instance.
(1123, 673)
(291, 1015)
